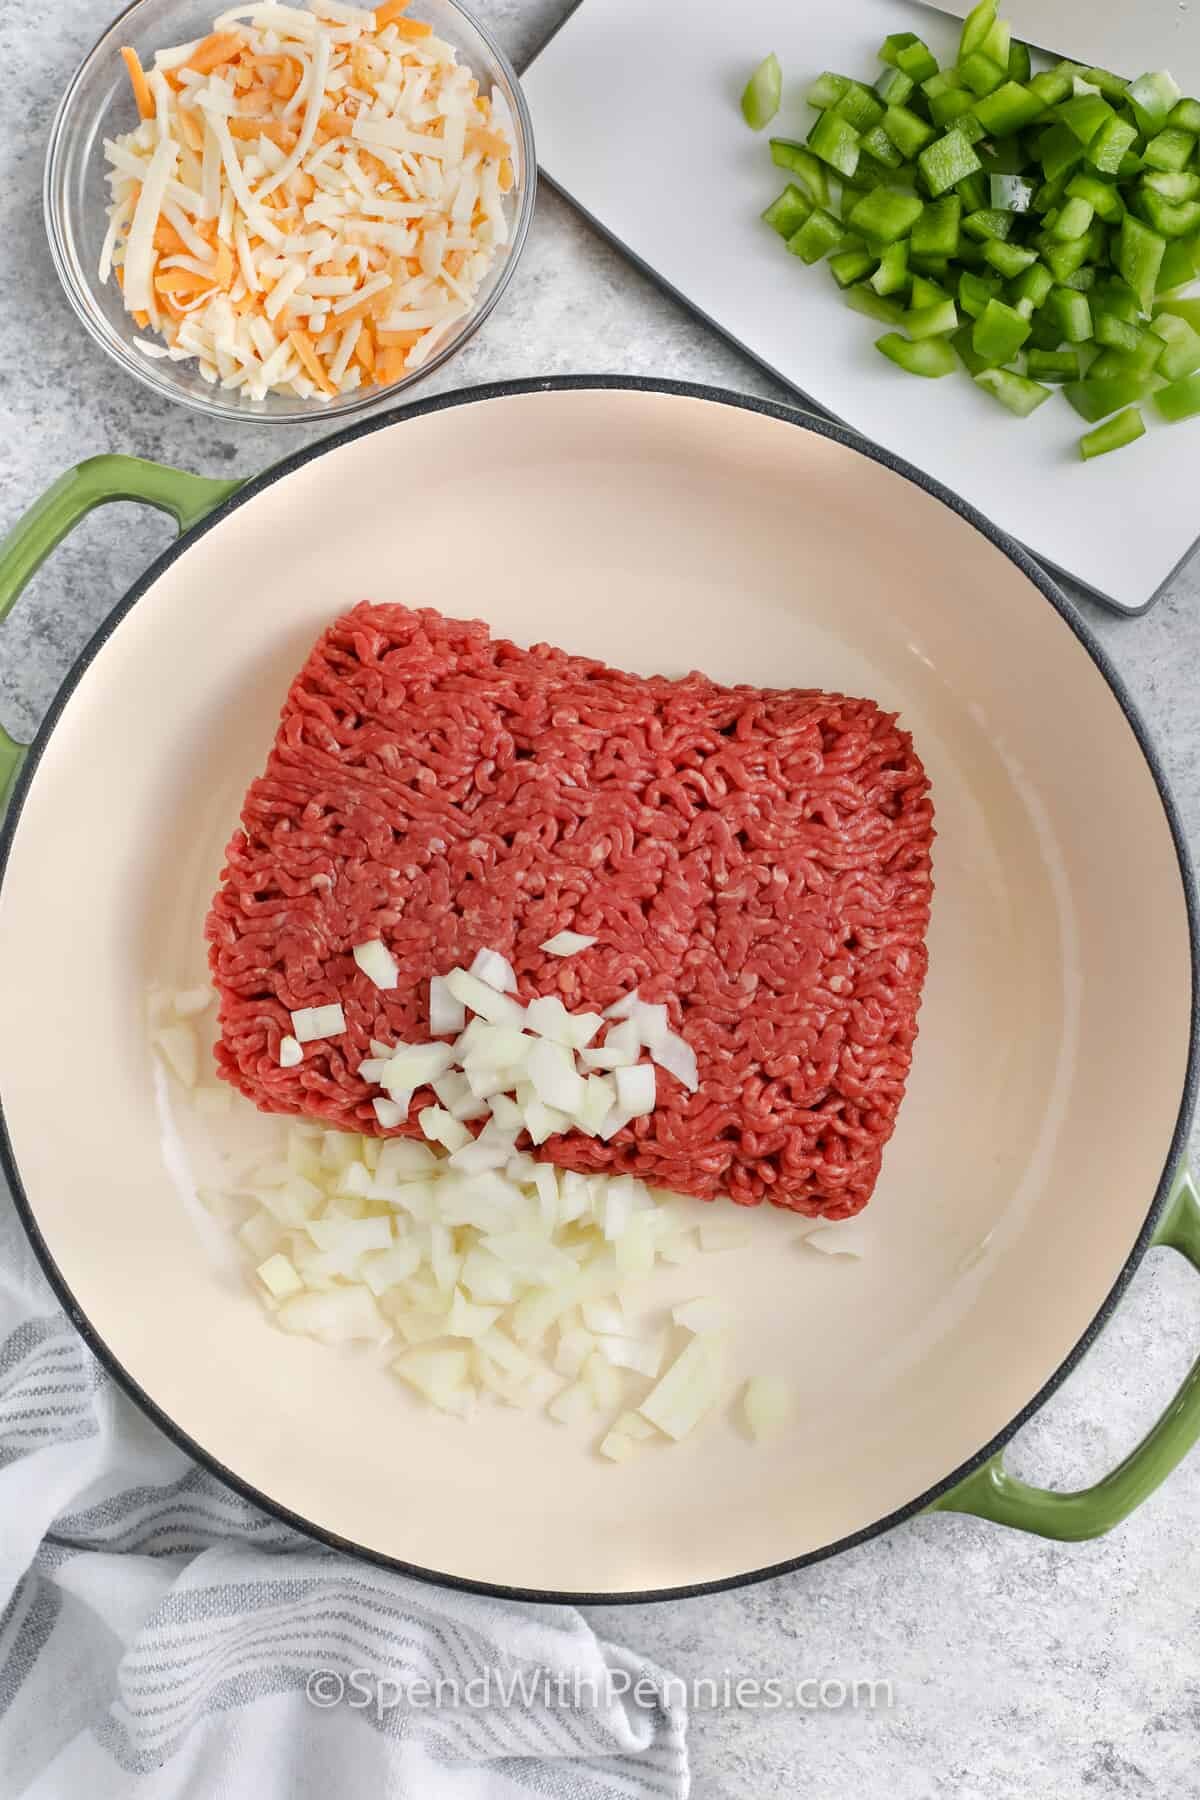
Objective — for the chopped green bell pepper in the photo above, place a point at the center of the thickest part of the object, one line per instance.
(1124, 429)
(1172, 184)
(1114, 296)
(863, 299)
(1053, 365)
(1181, 353)
(948, 161)
(980, 73)
(931, 321)
(972, 190)
(1104, 200)
(885, 214)
(998, 332)
(878, 144)
(998, 42)
(1019, 64)
(1180, 264)
(1071, 313)
(974, 292)
(1034, 283)
(849, 266)
(1059, 152)
(788, 211)
(818, 235)
(931, 357)
(1153, 99)
(836, 142)
(827, 90)
(1170, 150)
(1094, 400)
(1139, 257)
(1113, 87)
(1186, 115)
(891, 277)
(935, 232)
(1180, 309)
(946, 109)
(1052, 87)
(1181, 400)
(1131, 340)
(1007, 109)
(894, 87)
(808, 169)
(1009, 259)
(906, 131)
(961, 341)
(976, 26)
(1171, 218)
(1073, 220)
(1085, 115)
(762, 93)
(988, 222)
(894, 43)
(860, 106)
(1063, 260)
(1016, 392)
(1110, 146)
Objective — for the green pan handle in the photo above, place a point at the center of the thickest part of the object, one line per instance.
(93, 483)
(992, 1493)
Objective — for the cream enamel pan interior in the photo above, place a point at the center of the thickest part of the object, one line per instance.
(660, 531)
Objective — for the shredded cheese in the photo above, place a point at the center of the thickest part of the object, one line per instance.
(309, 200)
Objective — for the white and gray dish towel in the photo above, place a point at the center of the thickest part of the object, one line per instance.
(161, 1638)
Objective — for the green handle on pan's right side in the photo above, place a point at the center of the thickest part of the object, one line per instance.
(990, 1492)
(90, 484)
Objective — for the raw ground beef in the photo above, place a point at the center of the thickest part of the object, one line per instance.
(758, 860)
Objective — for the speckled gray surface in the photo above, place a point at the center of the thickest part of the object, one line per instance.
(1021, 1670)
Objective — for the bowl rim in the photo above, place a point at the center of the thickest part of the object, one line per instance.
(1091, 647)
(347, 406)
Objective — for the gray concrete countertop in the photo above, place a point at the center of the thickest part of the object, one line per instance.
(1021, 1670)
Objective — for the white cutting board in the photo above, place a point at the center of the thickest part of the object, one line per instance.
(635, 108)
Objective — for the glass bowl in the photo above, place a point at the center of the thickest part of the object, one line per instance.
(98, 104)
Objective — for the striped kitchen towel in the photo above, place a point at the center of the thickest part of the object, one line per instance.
(159, 1637)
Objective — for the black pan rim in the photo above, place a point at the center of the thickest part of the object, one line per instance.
(501, 390)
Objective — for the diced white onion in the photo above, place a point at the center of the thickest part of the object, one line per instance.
(636, 1090)
(495, 970)
(767, 1403)
(843, 1237)
(446, 1014)
(377, 963)
(487, 1002)
(416, 1065)
(389, 1112)
(567, 943)
(311, 1023)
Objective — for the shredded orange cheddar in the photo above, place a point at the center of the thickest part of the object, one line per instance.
(413, 28)
(505, 176)
(398, 340)
(288, 78)
(215, 50)
(364, 348)
(138, 82)
(306, 350)
(168, 241)
(389, 366)
(389, 12)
